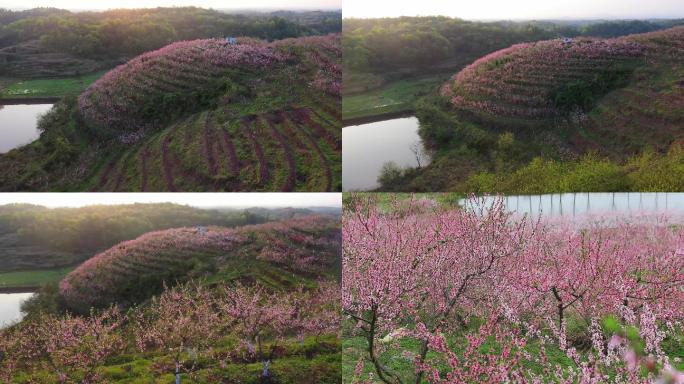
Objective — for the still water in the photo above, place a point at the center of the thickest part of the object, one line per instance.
(10, 304)
(573, 204)
(367, 147)
(18, 124)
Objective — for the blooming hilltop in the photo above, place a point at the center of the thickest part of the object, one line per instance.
(134, 269)
(115, 100)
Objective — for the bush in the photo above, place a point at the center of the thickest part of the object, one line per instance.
(584, 93)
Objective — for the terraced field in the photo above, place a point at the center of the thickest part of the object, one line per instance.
(284, 150)
(605, 87)
(203, 115)
(134, 270)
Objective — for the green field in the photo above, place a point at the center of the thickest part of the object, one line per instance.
(399, 360)
(394, 97)
(49, 87)
(35, 278)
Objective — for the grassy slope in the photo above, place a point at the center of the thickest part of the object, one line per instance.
(32, 278)
(394, 97)
(60, 87)
(316, 361)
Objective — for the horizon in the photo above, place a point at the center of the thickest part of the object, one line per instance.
(524, 10)
(254, 5)
(197, 199)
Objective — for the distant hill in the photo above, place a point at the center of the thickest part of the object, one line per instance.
(280, 254)
(99, 38)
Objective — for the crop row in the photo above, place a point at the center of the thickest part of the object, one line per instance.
(519, 81)
(115, 102)
(282, 150)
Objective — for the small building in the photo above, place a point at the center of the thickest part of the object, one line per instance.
(231, 40)
(201, 230)
(566, 40)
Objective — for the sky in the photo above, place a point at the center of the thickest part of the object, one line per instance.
(517, 9)
(216, 4)
(194, 199)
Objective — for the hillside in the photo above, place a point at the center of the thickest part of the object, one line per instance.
(391, 62)
(196, 116)
(254, 304)
(51, 42)
(557, 99)
(278, 254)
(599, 87)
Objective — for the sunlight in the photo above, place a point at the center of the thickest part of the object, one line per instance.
(216, 4)
(516, 10)
(194, 199)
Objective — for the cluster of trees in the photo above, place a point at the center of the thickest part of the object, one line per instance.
(124, 33)
(381, 45)
(485, 295)
(196, 327)
(86, 230)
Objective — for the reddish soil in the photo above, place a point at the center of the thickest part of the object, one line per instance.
(292, 167)
(294, 116)
(247, 124)
(167, 161)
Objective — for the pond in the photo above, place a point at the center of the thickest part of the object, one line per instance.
(18, 124)
(367, 147)
(572, 204)
(10, 304)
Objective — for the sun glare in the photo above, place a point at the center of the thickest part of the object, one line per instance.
(516, 10)
(192, 199)
(216, 4)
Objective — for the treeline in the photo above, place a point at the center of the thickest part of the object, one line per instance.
(89, 229)
(380, 45)
(128, 32)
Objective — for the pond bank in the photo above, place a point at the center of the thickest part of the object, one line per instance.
(377, 118)
(28, 100)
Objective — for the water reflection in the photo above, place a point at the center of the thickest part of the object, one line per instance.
(10, 307)
(18, 124)
(367, 147)
(573, 204)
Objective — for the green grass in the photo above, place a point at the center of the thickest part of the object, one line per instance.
(394, 97)
(399, 360)
(49, 87)
(32, 278)
(385, 200)
(317, 360)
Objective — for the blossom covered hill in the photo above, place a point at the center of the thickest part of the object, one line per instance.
(281, 253)
(612, 88)
(605, 111)
(233, 114)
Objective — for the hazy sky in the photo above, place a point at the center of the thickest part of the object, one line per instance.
(518, 9)
(193, 199)
(216, 4)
